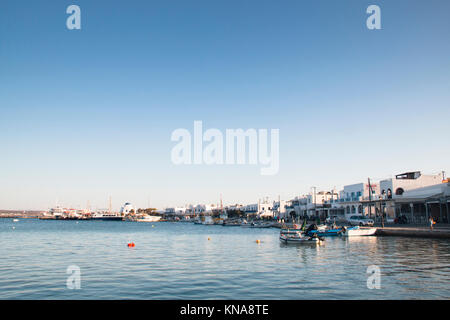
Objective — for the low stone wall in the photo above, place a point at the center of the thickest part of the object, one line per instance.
(414, 232)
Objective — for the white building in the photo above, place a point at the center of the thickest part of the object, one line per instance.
(251, 208)
(126, 209)
(280, 209)
(418, 205)
(360, 191)
(351, 198)
(391, 188)
(315, 204)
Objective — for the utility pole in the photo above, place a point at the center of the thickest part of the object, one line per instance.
(315, 205)
(370, 198)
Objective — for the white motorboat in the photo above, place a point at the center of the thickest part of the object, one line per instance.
(358, 231)
(148, 218)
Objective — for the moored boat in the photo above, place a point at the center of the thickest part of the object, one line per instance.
(106, 216)
(257, 225)
(326, 233)
(296, 236)
(147, 218)
(230, 223)
(358, 231)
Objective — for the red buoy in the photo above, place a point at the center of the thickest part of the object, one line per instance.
(131, 245)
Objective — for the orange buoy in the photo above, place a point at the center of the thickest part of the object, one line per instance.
(209, 238)
(131, 245)
(258, 241)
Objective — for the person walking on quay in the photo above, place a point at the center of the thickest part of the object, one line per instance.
(431, 223)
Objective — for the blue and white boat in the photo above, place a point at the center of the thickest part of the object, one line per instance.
(327, 233)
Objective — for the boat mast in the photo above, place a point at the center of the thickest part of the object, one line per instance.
(370, 198)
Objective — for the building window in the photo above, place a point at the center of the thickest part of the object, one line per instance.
(399, 191)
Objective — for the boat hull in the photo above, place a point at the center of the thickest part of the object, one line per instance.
(108, 218)
(326, 233)
(300, 240)
(149, 219)
(357, 232)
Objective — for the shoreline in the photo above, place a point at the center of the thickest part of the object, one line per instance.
(413, 231)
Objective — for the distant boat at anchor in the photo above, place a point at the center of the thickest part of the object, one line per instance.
(108, 216)
(143, 218)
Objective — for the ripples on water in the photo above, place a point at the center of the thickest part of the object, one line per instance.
(177, 261)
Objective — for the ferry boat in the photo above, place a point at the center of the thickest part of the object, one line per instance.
(106, 216)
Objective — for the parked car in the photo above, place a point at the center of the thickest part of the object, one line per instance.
(335, 219)
(360, 221)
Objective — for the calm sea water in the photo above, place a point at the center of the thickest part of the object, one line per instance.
(177, 261)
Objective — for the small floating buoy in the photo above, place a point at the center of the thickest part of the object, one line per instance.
(258, 241)
(131, 245)
(209, 238)
(13, 228)
(153, 226)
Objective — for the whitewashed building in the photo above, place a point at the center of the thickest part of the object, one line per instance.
(391, 188)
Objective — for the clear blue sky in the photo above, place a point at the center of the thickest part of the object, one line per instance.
(87, 114)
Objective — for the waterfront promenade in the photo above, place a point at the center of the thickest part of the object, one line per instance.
(440, 231)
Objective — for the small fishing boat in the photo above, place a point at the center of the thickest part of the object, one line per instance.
(299, 239)
(230, 223)
(257, 225)
(358, 231)
(15, 220)
(295, 236)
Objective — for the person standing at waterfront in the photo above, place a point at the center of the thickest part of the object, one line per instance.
(431, 223)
